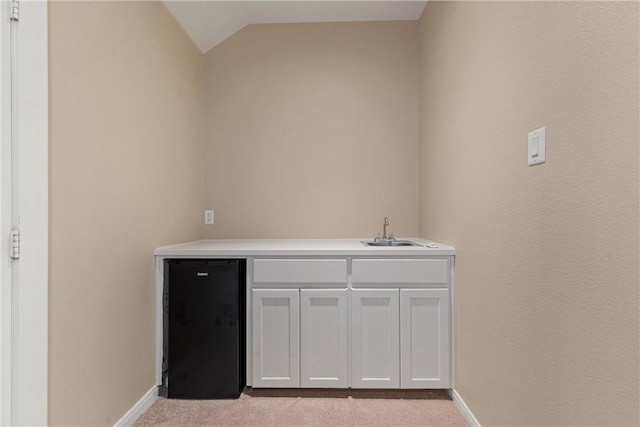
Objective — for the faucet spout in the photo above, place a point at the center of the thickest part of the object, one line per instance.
(384, 227)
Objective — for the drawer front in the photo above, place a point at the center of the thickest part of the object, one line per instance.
(300, 271)
(405, 272)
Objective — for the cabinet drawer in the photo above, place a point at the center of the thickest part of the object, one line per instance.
(405, 272)
(300, 271)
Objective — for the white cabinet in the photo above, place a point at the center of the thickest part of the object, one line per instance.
(425, 338)
(405, 272)
(342, 322)
(276, 338)
(420, 352)
(300, 335)
(375, 344)
(294, 272)
(324, 338)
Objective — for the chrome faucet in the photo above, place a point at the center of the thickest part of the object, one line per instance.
(384, 227)
(385, 238)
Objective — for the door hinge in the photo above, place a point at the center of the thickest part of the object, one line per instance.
(15, 10)
(15, 244)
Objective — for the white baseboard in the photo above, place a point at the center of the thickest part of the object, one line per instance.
(464, 409)
(139, 408)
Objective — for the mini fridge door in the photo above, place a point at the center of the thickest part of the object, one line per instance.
(204, 356)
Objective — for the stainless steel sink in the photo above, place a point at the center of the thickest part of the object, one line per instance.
(391, 243)
(388, 240)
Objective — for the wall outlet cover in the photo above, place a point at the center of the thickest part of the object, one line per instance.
(208, 217)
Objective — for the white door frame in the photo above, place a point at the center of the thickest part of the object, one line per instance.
(24, 302)
(5, 219)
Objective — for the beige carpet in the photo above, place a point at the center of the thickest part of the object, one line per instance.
(309, 408)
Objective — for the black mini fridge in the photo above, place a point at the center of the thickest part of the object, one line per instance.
(204, 329)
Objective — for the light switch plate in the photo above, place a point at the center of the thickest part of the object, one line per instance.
(537, 152)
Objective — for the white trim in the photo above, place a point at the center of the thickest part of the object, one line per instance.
(464, 409)
(29, 391)
(5, 218)
(139, 408)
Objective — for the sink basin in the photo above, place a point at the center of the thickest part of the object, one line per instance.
(391, 243)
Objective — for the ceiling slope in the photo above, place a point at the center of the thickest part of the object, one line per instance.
(208, 23)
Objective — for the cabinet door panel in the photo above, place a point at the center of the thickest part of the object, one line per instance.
(425, 344)
(324, 338)
(276, 338)
(375, 334)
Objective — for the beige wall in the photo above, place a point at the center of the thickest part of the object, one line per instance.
(547, 266)
(311, 130)
(126, 114)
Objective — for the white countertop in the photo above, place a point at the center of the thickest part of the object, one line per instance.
(298, 247)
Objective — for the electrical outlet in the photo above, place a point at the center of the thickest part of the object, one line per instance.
(208, 217)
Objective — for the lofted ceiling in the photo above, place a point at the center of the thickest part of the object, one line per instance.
(208, 23)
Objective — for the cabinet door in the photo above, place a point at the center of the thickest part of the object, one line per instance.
(276, 338)
(425, 345)
(375, 331)
(324, 338)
